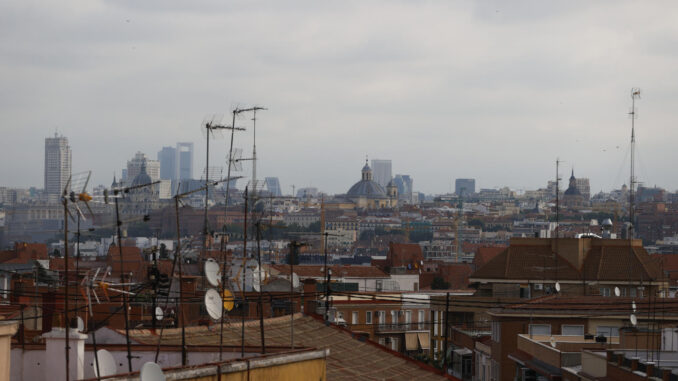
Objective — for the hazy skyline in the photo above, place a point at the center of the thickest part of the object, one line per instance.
(491, 90)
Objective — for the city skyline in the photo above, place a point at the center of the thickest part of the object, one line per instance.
(463, 89)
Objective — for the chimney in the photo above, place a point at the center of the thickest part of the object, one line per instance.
(55, 344)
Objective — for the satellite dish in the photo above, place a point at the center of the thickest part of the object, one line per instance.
(557, 286)
(633, 306)
(213, 303)
(81, 324)
(634, 319)
(151, 372)
(229, 300)
(617, 291)
(106, 362)
(212, 272)
(552, 340)
(159, 314)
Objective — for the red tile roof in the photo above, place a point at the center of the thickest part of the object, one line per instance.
(404, 255)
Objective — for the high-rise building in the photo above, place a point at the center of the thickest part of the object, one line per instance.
(184, 161)
(138, 161)
(167, 157)
(273, 186)
(464, 187)
(404, 185)
(381, 172)
(57, 166)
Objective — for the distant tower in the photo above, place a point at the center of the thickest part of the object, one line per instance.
(57, 166)
(167, 157)
(273, 186)
(184, 161)
(392, 193)
(382, 171)
(464, 187)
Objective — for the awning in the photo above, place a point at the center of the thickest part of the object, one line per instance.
(411, 341)
(423, 340)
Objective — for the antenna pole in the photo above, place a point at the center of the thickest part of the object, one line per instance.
(261, 306)
(635, 93)
(207, 179)
(223, 287)
(181, 285)
(327, 281)
(122, 280)
(67, 325)
(243, 271)
(555, 255)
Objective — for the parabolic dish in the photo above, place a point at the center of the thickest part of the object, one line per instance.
(213, 303)
(159, 314)
(557, 286)
(212, 272)
(552, 340)
(634, 319)
(633, 306)
(617, 291)
(107, 365)
(229, 301)
(151, 372)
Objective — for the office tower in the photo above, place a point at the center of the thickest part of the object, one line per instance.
(381, 172)
(167, 157)
(184, 161)
(57, 166)
(464, 187)
(273, 186)
(134, 167)
(404, 185)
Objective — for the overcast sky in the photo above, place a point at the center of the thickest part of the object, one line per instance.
(493, 90)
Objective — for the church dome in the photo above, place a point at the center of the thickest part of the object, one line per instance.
(366, 187)
(142, 178)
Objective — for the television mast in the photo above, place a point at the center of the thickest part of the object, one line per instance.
(635, 94)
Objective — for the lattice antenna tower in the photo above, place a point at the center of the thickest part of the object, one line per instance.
(635, 94)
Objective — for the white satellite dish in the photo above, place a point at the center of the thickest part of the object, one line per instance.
(633, 306)
(159, 314)
(552, 340)
(107, 365)
(151, 372)
(213, 303)
(617, 291)
(212, 272)
(557, 286)
(634, 319)
(81, 324)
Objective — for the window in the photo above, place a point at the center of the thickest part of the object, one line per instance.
(540, 329)
(394, 343)
(368, 317)
(420, 319)
(394, 318)
(572, 330)
(632, 292)
(408, 319)
(604, 291)
(354, 317)
(607, 331)
(435, 323)
(382, 317)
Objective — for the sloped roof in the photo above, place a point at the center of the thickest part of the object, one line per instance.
(527, 262)
(669, 264)
(349, 358)
(604, 260)
(485, 254)
(404, 254)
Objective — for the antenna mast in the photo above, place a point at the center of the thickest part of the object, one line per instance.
(635, 94)
(254, 150)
